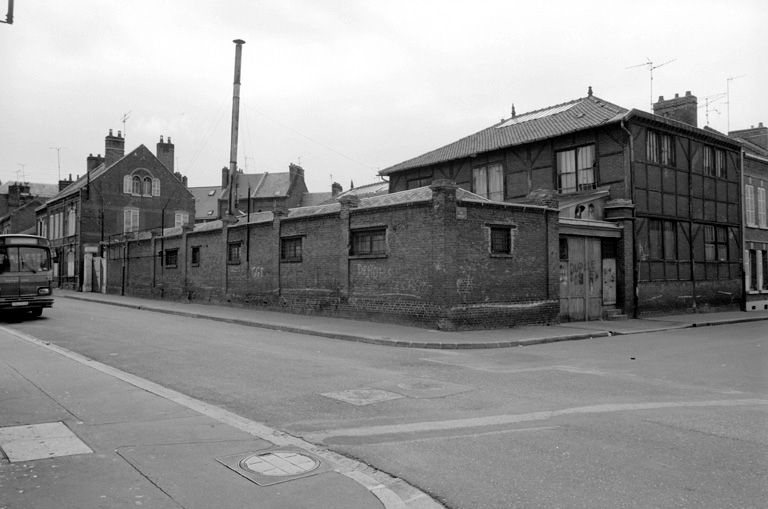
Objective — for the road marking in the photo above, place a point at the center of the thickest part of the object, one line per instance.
(500, 420)
(384, 487)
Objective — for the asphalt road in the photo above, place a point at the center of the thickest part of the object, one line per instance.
(672, 419)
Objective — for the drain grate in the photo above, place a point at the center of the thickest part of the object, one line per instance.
(274, 466)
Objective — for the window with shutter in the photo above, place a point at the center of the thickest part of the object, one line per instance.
(155, 187)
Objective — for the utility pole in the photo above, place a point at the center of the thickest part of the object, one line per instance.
(58, 158)
(235, 126)
(9, 15)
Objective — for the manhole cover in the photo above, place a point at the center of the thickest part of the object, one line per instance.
(279, 463)
(272, 466)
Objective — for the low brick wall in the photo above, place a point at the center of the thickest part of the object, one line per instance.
(438, 270)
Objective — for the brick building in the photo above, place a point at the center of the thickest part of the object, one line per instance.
(755, 146)
(649, 203)
(119, 194)
(18, 201)
(437, 256)
(254, 192)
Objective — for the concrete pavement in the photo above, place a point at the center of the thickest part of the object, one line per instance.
(414, 337)
(76, 433)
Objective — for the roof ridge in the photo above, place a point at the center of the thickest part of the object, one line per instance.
(551, 106)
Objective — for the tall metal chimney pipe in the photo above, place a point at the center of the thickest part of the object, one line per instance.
(235, 124)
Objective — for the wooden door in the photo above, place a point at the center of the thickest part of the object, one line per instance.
(581, 286)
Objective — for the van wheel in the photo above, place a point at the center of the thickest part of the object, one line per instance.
(36, 311)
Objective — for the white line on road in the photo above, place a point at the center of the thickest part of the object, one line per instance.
(500, 420)
(392, 492)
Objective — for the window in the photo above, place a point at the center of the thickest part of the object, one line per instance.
(127, 186)
(155, 187)
(371, 242)
(171, 258)
(660, 148)
(753, 284)
(488, 182)
(130, 220)
(715, 243)
(195, 256)
(662, 240)
(56, 224)
(146, 188)
(290, 249)
(761, 209)
(764, 274)
(576, 169)
(714, 162)
(749, 204)
(233, 252)
(501, 240)
(180, 219)
(71, 264)
(136, 189)
(72, 221)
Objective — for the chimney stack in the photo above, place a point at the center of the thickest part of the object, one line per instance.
(683, 109)
(93, 162)
(335, 189)
(757, 135)
(224, 177)
(165, 153)
(114, 148)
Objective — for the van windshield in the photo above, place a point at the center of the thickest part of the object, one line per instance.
(24, 259)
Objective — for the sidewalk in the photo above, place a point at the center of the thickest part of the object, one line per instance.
(414, 337)
(75, 433)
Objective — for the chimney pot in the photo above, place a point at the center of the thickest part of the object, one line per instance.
(687, 93)
(119, 134)
(760, 124)
(110, 132)
(677, 95)
(169, 139)
(161, 138)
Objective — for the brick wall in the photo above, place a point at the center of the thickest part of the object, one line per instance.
(437, 271)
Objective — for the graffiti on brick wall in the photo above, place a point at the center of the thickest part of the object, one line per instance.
(374, 272)
(257, 272)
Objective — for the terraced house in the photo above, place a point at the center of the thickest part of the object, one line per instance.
(119, 195)
(649, 203)
(755, 145)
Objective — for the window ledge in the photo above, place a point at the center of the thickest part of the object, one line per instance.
(291, 260)
(368, 257)
(502, 255)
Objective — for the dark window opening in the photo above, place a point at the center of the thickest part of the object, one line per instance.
(171, 258)
(715, 243)
(290, 249)
(233, 252)
(576, 169)
(369, 242)
(501, 240)
(195, 256)
(660, 148)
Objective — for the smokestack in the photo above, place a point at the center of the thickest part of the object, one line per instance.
(235, 124)
(114, 148)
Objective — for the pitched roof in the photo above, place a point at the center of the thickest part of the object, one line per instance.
(367, 190)
(263, 185)
(586, 112)
(206, 201)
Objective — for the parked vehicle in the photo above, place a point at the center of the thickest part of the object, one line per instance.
(25, 273)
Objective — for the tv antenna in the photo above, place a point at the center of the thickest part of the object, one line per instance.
(58, 158)
(126, 116)
(728, 98)
(20, 176)
(651, 66)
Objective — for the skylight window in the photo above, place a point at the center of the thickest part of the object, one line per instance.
(534, 115)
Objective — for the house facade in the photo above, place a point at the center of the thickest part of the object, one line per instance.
(649, 204)
(755, 198)
(18, 201)
(253, 192)
(119, 195)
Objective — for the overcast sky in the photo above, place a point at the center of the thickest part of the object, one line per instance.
(346, 88)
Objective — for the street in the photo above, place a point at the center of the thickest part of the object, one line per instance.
(665, 419)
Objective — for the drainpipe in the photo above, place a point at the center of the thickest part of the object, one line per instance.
(743, 244)
(629, 181)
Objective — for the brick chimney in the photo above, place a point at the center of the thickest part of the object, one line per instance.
(165, 153)
(17, 192)
(294, 170)
(93, 162)
(757, 135)
(114, 148)
(224, 177)
(63, 184)
(335, 189)
(683, 109)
